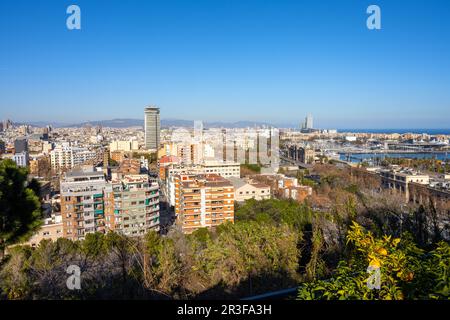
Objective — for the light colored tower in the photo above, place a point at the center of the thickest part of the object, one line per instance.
(309, 122)
(152, 128)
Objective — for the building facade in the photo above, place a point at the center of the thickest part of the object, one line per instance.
(247, 189)
(52, 229)
(67, 157)
(21, 159)
(86, 199)
(152, 128)
(399, 180)
(136, 205)
(203, 201)
(126, 146)
(128, 204)
(20, 145)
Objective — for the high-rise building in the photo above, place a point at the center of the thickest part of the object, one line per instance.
(6, 124)
(203, 201)
(20, 145)
(136, 205)
(309, 121)
(307, 126)
(152, 128)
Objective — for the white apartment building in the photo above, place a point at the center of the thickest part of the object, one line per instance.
(67, 157)
(126, 146)
(245, 190)
(21, 159)
(223, 169)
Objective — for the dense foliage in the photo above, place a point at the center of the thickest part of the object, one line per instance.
(406, 271)
(239, 259)
(20, 209)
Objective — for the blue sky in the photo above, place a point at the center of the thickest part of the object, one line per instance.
(228, 60)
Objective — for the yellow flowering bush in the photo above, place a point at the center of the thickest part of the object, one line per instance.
(405, 271)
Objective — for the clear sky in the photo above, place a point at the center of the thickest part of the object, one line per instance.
(228, 60)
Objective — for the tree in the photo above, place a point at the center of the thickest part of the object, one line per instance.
(20, 209)
(405, 271)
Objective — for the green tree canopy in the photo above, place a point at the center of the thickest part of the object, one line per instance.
(20, 209)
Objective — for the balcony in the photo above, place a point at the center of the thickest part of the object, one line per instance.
(150, 210)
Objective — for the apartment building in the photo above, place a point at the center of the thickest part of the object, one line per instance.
(86, 202)
(129, 203)
(67, 157)
(125, 146)
(168, 149)
(39, 165)
(164, 162)
(52, 229)
(21, 159)
(136, 205)
(204, 200)
(222, 168)
(247, 189)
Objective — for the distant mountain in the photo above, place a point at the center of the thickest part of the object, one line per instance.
(114, 123)
(41, 124)
(165, 123)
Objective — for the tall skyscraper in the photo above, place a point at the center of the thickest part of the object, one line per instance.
(307, 125)
(152, 128)
(309, 121)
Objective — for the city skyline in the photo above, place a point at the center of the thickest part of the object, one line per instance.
(228, 61)
(243, 152)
